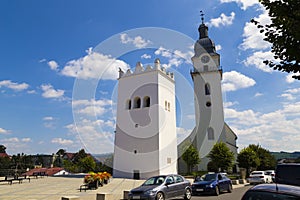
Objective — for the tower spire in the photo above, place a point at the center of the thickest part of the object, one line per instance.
(203, 29)
(202, 16)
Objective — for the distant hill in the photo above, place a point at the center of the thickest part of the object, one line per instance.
(103, 157)
(286, 155)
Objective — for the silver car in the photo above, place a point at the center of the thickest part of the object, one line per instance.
(163, 187)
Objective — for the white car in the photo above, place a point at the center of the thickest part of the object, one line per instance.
(271, 173)
(259, 177)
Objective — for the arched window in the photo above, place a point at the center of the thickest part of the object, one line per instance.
(128, 104)
(137, 102)
(146, 101)
(210, 134)
(207, 89)
(166, 105)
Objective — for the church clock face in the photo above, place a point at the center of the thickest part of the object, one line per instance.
(205, 59)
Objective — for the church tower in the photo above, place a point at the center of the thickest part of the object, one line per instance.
(207, 77)
(209, 115)
(145, 138)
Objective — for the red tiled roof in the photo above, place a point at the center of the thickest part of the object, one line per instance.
(47, 171)
(3, 155)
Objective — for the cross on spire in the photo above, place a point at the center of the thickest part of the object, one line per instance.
(202, 16)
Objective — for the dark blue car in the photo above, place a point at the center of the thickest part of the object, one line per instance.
(212, 183)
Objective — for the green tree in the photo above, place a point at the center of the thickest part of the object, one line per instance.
(221, 156)
(191, 157)
(87, 164)
(266, 159)
(79, 155)
(61, 152)
(283, 33)
(248, 159)
(2, 149)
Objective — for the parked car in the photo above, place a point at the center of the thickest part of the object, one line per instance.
(272, 191)
(257, 177)
(212, 183)
(288, 173)
(271, 173)
(163, 187)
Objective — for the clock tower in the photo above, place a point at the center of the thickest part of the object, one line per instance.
(209, 116)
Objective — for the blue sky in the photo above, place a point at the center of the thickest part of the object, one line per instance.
(60, 59)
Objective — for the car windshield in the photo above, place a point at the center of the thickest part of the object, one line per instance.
(210, 177)
(157, 180)
(256, 173)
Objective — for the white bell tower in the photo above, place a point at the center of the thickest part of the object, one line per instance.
(209, 116)
(145, 138)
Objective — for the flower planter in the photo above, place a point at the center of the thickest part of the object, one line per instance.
(93, 185)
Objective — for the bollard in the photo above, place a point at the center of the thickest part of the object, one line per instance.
(125, 194)
(70, 198)
(103, 196)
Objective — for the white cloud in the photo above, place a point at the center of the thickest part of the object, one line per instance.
(13, 85)
(182, 133)
(222, 20)
(253, 39)
(291, 94)
(17, 145)
(258, 94)
(53, 65)
(146, 56)
(48, 118)
(137, 41)
(257, 58)
(175, 57)
(94, 66)
(50, 92)
(274, 130)
(218, 47)
(61, 141)
(290, 79)
(92, 107)
(92, 134)
(3, 131)
(31, 92)
(243, 3)
(26, 140)
(49, 122)
(233, 81)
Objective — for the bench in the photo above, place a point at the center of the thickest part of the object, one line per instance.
(84, 187)
(7, 179)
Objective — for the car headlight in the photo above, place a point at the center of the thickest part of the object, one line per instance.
(150, 192)
(210, 186)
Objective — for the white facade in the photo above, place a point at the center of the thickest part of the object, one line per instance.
(145, 139)
(210, 126)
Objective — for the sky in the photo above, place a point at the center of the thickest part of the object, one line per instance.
(60, 60)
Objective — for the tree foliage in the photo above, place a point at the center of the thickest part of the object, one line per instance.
(283, 33)
(2, 149)
(221, 156)
(191, 157)
(248, 159)
(254, 157)
(267, 160)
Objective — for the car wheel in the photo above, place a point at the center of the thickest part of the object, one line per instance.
(188, 194)
(217, 191)
(229, 188)
(160, 196)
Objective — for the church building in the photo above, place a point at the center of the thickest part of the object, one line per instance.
(209, 115)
